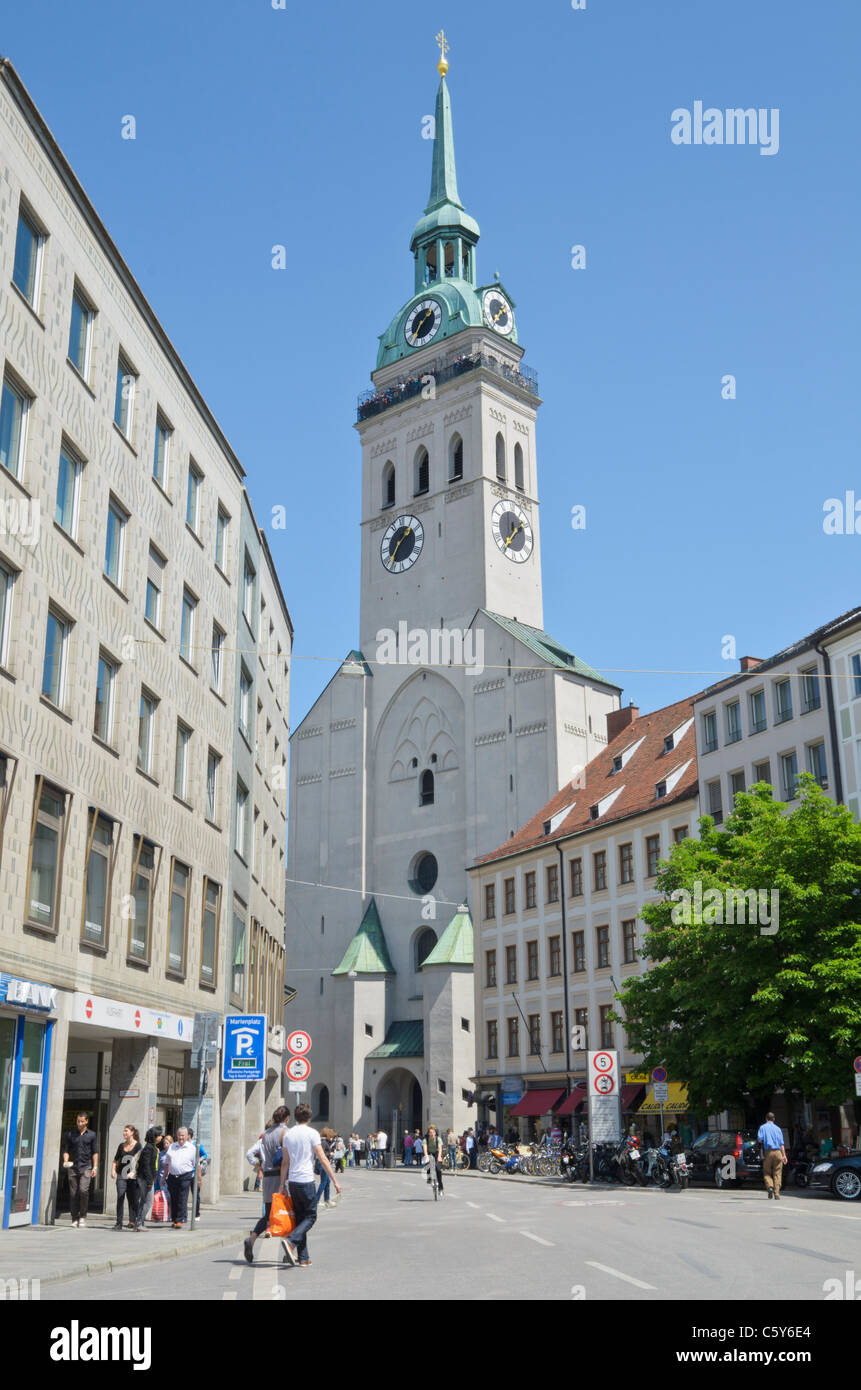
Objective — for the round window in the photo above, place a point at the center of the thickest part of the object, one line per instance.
(423, 873)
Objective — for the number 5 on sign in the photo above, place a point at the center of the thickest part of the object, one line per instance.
(299, 1043)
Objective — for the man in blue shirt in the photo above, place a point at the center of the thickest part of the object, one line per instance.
(773, 1155)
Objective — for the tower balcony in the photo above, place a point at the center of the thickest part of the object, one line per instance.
(375, 402)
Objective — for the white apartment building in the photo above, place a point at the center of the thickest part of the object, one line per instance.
(144, 645)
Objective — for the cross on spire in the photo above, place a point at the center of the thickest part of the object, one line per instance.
(444, 45)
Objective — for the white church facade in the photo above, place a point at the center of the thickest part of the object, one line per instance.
(455, 718)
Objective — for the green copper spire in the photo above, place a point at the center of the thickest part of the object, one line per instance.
(367, 953)
(443, 241)
(456, 945)
(443, 173)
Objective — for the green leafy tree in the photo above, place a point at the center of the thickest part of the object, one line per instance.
(740, 1008)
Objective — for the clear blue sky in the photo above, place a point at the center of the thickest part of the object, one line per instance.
(303, 126)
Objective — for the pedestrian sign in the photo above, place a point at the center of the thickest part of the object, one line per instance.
(244, 1057)
(299, 1042)
(298, 1068)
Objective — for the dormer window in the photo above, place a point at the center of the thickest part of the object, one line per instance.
(617, 763)
(661, 790)
(594, 812)
(669, 743)
(545, 830)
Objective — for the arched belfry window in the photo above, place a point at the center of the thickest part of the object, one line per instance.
(518, 466)
(500, 457)
(449, 258)
(464, 261)
(426, 788)
(389, 485)
(425, 943)
(422, 468)
(455, 458)
(430, 263)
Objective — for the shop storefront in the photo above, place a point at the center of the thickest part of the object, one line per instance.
(26, 1036)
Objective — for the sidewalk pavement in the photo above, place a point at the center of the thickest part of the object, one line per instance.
(55, 1253)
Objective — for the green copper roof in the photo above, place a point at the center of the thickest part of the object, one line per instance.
(455, 946)
(444, 207)
(404, 1039)
(367, 953)
(545, 646)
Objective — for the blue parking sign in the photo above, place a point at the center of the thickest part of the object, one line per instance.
(244, 1054)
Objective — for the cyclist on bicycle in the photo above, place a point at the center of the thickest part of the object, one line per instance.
(433, 1143)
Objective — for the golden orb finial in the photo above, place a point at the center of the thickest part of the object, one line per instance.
(442, 65)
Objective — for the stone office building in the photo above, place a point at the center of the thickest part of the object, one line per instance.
(144, 645)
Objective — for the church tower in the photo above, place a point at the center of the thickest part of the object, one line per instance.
(457, 716)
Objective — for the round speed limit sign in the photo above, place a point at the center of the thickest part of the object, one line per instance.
(298, 1068)
(602, 1061)
(299, 1043)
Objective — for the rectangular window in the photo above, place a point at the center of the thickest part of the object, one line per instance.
(154, 588)
(213, 772)
(490, 968)
(143, 882)
(489, 901)
(124, 396)
(581, 1018)
(248, 583)
(816, 763)
(115, 542)
(222, 522)
(186, 632)
(606, 1025)
(532, 960)
(555, 955)
(626, 863)
(553, 883)
(46, 854)
(80, 332)
(66, 506)
(180, 767)
(56, 658)
(715, 803)
(7, 582)
(529, 887)
(856, 667)
(27, 266)
(513, 1026)
(146, 731)
(178, 924)
(629, 941)
(217, 658)
(782, 701)
(534, 1034)
(810, 698)
(789, 775)
(757, 711)
(209, 932)
(602, 946)
(653, 854)
(103, 717)
(680, 832)
(576, 878)
(192, 497)
(511, 965)
(556, 1031)
(709, 728)
(492, 1038)
(100, 845)
(736, 784)
(762, 772)
(245, 702)
(733, 722)
(161, 451)
(599, 864)
(14, 405)
(240, 843)
(237, 955)
(578, 952)
(509, 896)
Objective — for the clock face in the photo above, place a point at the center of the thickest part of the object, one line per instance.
(423, 323)
(512, 531)
(498, 313)
(402, 543)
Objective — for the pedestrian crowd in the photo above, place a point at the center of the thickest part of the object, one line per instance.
(152, 1177)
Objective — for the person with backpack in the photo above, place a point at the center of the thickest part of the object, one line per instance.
(324, 1190)
(125, 1170)
(147, 1174)
(270, 1147)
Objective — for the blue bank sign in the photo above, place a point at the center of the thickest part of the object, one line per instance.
(244, 1054)
(27, 993)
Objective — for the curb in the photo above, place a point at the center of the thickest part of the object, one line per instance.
(129, 1261)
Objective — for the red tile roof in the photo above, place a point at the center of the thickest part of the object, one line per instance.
(649, 765)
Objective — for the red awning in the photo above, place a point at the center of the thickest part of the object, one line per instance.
(536, 1102)
(569, 1105)
(631, 1096)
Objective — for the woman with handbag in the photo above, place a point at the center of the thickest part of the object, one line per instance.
(271, 1144)
(147, 1174)
(125, 1170)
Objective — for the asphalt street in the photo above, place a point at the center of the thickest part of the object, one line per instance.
(491, 1239)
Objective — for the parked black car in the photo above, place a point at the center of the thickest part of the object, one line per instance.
(708, 1154)
(842, 1176)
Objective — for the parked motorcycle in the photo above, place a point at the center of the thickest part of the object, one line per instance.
(627, 1158)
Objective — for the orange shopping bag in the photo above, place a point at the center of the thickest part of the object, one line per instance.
(281, 1217)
